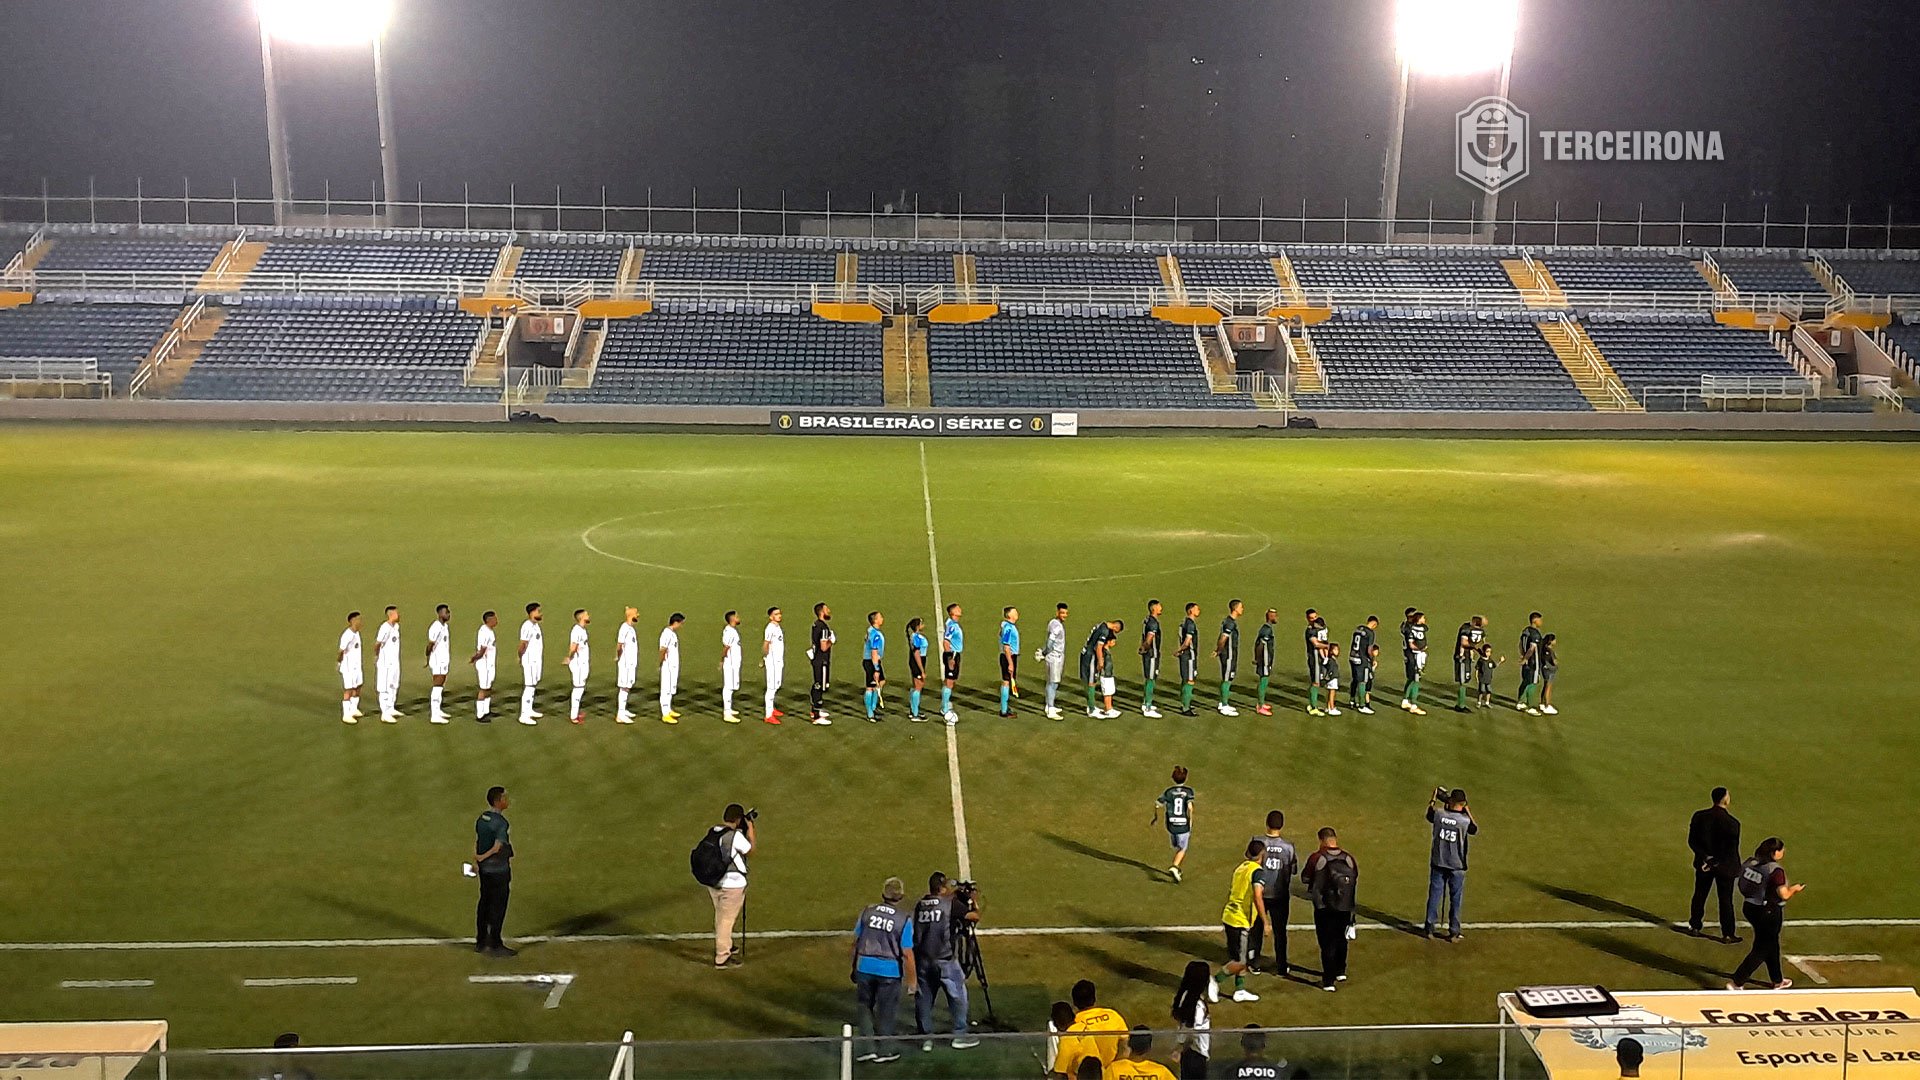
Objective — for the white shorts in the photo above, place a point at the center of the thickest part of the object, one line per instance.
(437, 667)
(387, 678)
(484, 670)
(530, 673)
(669, 679)
(776, 674)
(730, 675)
(1106, 684)
(626, 674)
(1420, 661)
(579, 672)
(351, 678)
(1056, 666)
(1333, 683)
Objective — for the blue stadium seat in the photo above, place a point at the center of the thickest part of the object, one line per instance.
(1359, 272)
(1598, 271)
(1677, 352)
(735, 264)
(119, 336)
(1879, 277)
(569, 262)
(142, 255)
(1068, 362)
(1021, 268)
(1440, 364)
(692, 358)
(379, 259)
(1199, 272)
(326, 353)
(1771, 276)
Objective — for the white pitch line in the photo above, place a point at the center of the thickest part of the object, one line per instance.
(520, 1061)
(953, 735)
(318, 980)
(559, 982)
(104, 984)
(1805, 963)
(707, 935)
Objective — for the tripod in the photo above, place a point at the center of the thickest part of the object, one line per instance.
(966, 949)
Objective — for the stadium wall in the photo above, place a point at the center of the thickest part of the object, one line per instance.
(757, 419)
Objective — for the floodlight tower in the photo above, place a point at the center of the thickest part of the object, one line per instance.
(1445, 37)
(338, 23)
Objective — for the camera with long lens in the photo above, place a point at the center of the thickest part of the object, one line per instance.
(751, 815)
(963, 901)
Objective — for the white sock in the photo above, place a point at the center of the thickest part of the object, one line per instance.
(480, 706)
(726, 699)
(386, 702)
(577, 691)
(623, 702)
(438, 693)
(526, 701)
(769, 701)
(346, 709)
(666, 703)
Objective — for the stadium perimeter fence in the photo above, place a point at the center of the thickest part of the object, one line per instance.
(1390, 1052)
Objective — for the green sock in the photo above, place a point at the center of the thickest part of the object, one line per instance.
(1146, 695)
(1263, 689)
(1186, 695)
(1413, 692)
(1092, 703)
(1313, 697)
(1226, 691)
(1461, 702)
(1240, 982)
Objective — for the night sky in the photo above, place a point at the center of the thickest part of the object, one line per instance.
(1131, 102)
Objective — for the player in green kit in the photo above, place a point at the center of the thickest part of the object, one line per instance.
(1413, 639)
(1466, 652)
(1150, 659)
(1177, 801)
(1188, 655)
(1316, 640)
(1361, 659)
(1096, 667)
(1263, 659)
(1227, 648)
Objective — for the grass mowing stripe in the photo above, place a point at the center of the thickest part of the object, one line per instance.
(953, 735)
(985, 931)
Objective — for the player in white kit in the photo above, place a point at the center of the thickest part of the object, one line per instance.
(386, 666)
(773, 656)
(531, 660)
(486, 652)
(670, 667)
(731, 656)
(626, 661)
(351, 673)
(578, 663)
(439, 658)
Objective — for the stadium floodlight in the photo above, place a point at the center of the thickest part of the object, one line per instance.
(1445, 37)
(1455, 37)
(327, 23)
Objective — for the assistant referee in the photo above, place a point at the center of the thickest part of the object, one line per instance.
(493, 863)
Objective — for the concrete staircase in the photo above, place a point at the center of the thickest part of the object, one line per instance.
(503, 269)
(485, 368)
(1291, 294)
(1217, 359)
(1170, 276)
(629, 266)
(164, 369)
(1587, 367)
(904, 368)
(1309, 378)
(579, 373)
(34, 252)
(1722, 285)
(231, 267)
(1535, 283)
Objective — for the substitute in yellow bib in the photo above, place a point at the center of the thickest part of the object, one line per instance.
(1242, 905)
(1135, 1064)
(1096, 1031)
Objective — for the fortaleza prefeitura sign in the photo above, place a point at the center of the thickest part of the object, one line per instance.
(825, 422)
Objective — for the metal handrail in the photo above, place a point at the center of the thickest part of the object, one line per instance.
(169, 345)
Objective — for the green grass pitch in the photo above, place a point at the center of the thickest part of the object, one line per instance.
(1729, 612)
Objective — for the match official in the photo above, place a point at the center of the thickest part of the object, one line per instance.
(1714, 838)
(493, 859)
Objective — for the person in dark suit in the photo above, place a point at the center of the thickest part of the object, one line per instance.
(1714, 837)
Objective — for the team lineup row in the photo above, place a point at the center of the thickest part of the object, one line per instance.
(1474, 662)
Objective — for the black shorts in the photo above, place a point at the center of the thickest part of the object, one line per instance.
(875, 673)
(1413, 667)
(1228, 664)
(1529, 675)
(1009, 667)
(1362, 676)
(1150, 666)
(1463, 670)
(1262, 665)
(916, 667)
(950, 666)
(1186, 667)
(1314, 677)
(1547, 674)
(1237, 943)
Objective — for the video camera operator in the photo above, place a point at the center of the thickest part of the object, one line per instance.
(720, 863)
(948, 912)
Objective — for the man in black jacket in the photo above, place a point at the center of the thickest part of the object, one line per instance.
(1714, 837)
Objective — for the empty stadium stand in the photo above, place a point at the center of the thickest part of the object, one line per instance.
(386, 259)
(1771, 276)
(570, 262)
(1023, 268)
(691, 358)
(130, 254)
(1879, 277)
(1199, 272)
(403, 352)
(736, 264)
(1360, 272)
(1068, 362)
(11, 244)
(1907, 336)
(1441, 364)
(1678, 351)
(119, 336)
(1598, 272)
(912, 268)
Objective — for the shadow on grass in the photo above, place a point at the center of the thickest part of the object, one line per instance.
(1078, 848)
(1605, 905)
(1386, 919)
(1634, 953)
(392, 920)
(611, 919)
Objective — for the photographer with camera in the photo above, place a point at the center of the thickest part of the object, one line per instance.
(883, 966)
(1447, 876)
(720, 864)
(948, 911)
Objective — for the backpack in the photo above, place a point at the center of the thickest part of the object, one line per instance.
(1333, 886)
(712, 857)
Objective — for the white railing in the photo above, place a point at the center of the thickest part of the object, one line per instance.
(1751, 387)
(1808, 355)
(1595, 366)
(1879, 388)
(228, 252)
(479, 350)
(61, 371)
(169, 345)
(1895, 352)
(1311, 352)
(1262, 387)
(623, 1059)
(1885, 303)
(16, 266)
(1722, 284)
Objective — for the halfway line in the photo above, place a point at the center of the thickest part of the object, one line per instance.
(953, 736)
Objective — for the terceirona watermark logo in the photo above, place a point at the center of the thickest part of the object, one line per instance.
(1490, 144)
(1493, 141)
